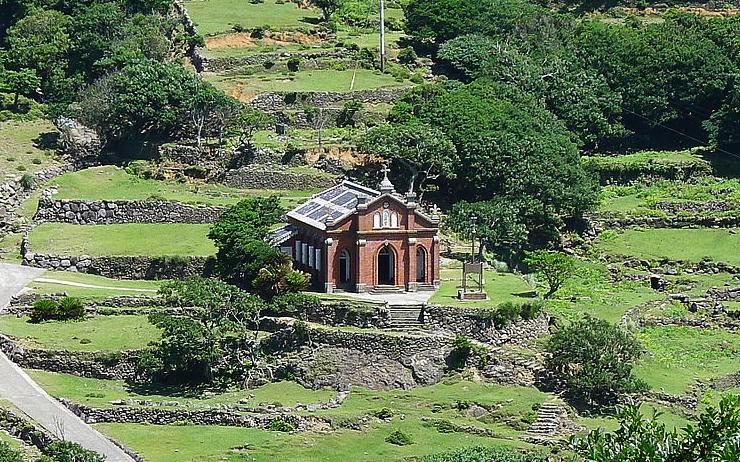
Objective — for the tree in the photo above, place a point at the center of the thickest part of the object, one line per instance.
(554, 267)
(328, 7)
(22, 82)
(195, 346)
(142, 101)
(248, 121)
(318, 118)
(466, 54)
(594, 358)
(204, 107)
(644, 438)
(723, 125)
(424, 150)
(240, 235)
(41, 41)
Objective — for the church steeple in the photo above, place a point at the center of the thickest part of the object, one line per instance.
(386, 187)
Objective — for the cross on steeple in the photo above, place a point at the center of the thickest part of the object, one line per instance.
(386, 186)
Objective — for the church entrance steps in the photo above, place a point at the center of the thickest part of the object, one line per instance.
(406, 316)
(386, 289)
(424, 287)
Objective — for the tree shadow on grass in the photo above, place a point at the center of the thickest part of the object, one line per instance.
(527, 294)
(161, 389)
(46, 141)
(312, 21)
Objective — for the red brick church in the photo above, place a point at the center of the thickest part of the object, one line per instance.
(356, 239)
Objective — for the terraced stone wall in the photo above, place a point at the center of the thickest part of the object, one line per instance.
(106, 212)
(266, 177)
(275, 101)
(472, 323)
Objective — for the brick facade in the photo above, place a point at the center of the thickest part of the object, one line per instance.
(384, 241)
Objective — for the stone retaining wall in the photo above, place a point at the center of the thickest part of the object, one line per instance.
(664, 265)
(106, 212)
(471, 323)
(278, 101)
(98, 365)
(213, 64)
(259, 177)
(341, 313)
(602, 222)
(725, 294)
(159, 416)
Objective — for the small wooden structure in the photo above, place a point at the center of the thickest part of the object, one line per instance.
(473, 275)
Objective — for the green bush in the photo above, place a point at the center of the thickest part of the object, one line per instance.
(27, 181)
(485, 454)
(505, 314)
(384, 414)
(8, 454)
(295, 303)
(51, 310)
(445, 426)
(530, 310)
(407, 56)
(279, 425)
(67, 451)
(399, 438)
(293, 63)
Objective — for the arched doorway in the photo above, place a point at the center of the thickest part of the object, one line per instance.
(421, 264)
(386, 266)
(345, 269)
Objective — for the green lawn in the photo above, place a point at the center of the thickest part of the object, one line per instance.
(126, 239)
(591, 291)
(10, 247)
(101, 333)
(215, 16)
(110, 182)
(640, 199)
(105, 287)
(675, 244)
(24, 146)
(99, 393)
(369, 40)
(679, 355)
(500, 287)
(209, 444)
(304, 81)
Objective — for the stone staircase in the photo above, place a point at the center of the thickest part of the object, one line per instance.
(406, 316)
(384, 289)
(425, 287)
(549, 425)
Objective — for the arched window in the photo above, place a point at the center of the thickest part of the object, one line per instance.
(394, 220)
(344, 267)
(421, 264)
(386, 219)
(376, 220)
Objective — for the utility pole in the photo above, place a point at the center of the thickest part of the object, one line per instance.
(382, 37)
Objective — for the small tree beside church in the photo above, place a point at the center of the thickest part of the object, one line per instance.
(554, 267)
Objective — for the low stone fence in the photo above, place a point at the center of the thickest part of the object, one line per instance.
(160, 416)
(278, 101)
(343, 313)
(211, 64)
(25, 430)
(259, 177)
(665, 265)
(98, 365)
(725, 294)
(472, 323)
(106, 212)
(117, 301)
(601, 222)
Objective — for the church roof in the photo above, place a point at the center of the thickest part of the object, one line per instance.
(332, 204)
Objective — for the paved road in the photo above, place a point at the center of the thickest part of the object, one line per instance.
(18, 388)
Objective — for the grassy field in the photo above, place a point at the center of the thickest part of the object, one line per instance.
(500, 287)
(10, 247)
(591, 291)
(101, 333)
(217, 16)
(640, 199)
(675, 244)
(127, 239)
(99, 393)
(105, 287)
(24, 146)
(110, 182)
(680, 355)
(302, 81)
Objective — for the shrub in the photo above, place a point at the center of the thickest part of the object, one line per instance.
(294, 303)
(505, 314)
(279, 425)
(43, 310)
(485, 454)
(462, 347)
(36, 161)
(27, 181)
(384, 414)
(21, 168)
(445, 426)
(67, 451)
(594, 358)
(531, 310)
(293, 63)
(399, 438)
(268, 64)
(8, 454)
(71, 308)
(407, 56)
(238, 28)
